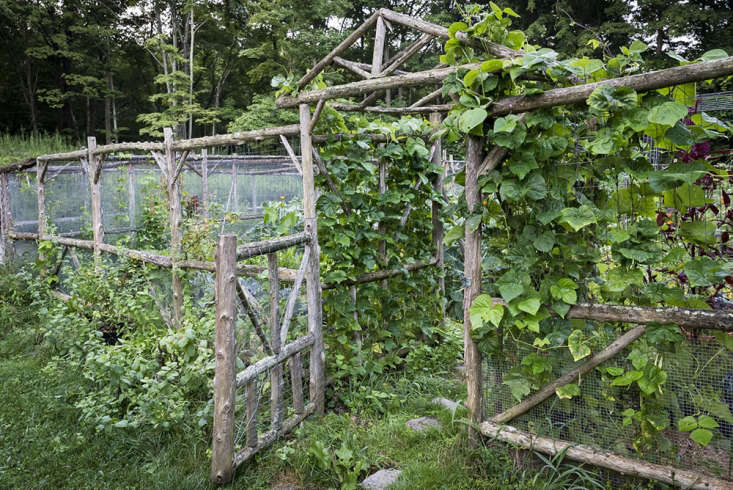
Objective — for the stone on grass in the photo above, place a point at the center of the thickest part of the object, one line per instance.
(381, 479)
(423, 423)
(446, 403)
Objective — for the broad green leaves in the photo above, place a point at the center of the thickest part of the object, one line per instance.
(568, 391)
(578, 346)
(667, 114)
(609, 99)
(472, 118)
(483, 310)
(699, 428)
(578, 218)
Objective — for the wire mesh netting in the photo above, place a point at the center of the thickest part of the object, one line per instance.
(700, 380)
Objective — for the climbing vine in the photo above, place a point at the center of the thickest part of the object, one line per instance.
(580, 210)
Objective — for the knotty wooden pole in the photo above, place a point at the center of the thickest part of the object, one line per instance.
(252, 401)
(313, 273)
(548, 390)
(437, 151)
(174, 208)
(41, 167)
(131, 199)
(6, 221)
(605, 459)
(276, 374)
(472, 272)
(378, 54)
(296, 380)
(205, 183)
(94, 162)
(222, 455)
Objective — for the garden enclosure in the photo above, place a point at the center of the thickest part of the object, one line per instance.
(529, 116)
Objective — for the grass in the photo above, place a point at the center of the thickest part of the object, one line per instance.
(19, 147)
(44, 445)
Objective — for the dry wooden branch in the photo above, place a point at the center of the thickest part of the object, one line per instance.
(264, 247)
(291, 153)
(368, 86)
(343, 46)
(352, 66)
(250, 372)
(437, 30)
(290, 307)
(249, 302)
(276, 374)
(604, 459)
(404, 55)
(432, 95)
(378, 53)
(316, 115)
(379, 275)
(548, 390)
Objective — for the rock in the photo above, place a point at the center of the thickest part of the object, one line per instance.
(446, 403)
(423, 423)
(381, 479)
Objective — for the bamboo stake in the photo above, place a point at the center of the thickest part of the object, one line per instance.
(276, 375)
(472, 273)
(224, 380)
(313, 274)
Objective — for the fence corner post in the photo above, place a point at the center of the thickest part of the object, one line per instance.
(222, 454)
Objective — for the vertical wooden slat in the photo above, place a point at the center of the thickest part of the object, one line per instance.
(252, 400)
(438, 185)
(174, 208)
(296, 380)
(313, 273)
(41, 166)
(378, 54)
(205, 183)
(224, 378)
(276, 375)
(96, 195)
(6, 221)
(472, 272)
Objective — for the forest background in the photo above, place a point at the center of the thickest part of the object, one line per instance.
(121, 70)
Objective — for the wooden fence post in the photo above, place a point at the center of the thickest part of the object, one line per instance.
(222, 454)
(174, 208)
(313, 274)
(438, 184)
(6, 221)
(205, 183)
(131, 198)
(235, 187)
(276, 374)
(41, 166)
(472, 272)
(94, 164)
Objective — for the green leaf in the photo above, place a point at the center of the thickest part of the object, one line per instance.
(510, 12)
(578, 348)
(638, 47)
(530, 305)
(510, 291)
(505, 124)
(578, 218)
(535, 187)
(620, 278)
(491, 66)
(638, 358)
(627, 378)
(704, 271)
(483, 310)
(701, 436)
(456, 27)
(471, 118)
(615, 371)
(518, 384)
(568, 391)
(515, 39)
(714, 54)
(545, 242)
(707, 422)
(675, 175)
(724, 339)
(652, 380)
(454, 234)
(608, 99)
(470, 77)
(667, 113)
(699, 231)
(473, 222)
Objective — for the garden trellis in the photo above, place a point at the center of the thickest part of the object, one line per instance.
(477, 164)
(380, 75)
